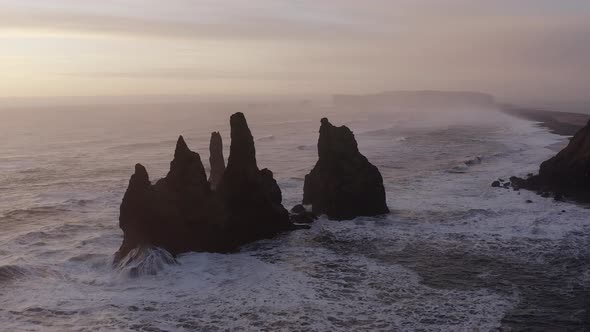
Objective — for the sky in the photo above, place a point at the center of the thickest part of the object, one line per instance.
(525, 49)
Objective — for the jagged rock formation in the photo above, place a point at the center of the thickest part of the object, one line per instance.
(181, 213)
(216, 160)
(343, 184)
(252, 196)
(566, 174)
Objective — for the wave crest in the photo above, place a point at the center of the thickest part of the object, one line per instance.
(145, 261)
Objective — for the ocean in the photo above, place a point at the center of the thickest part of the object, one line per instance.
(455, 254)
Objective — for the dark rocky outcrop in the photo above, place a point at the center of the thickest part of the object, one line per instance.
(565, 175)
(252, 196)
(300, 215)
(181, 213)
(343, 184)
(216, 160)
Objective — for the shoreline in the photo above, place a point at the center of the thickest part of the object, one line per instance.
(559, 123)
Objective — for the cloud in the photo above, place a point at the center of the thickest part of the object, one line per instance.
(532, 47)
(252, 28)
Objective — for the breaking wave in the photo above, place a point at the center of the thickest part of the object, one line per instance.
(144, 261)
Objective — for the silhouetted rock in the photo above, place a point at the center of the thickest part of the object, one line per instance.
(300, 215)
(175, 212)
(565, 175)
(252, 196)
(496, 184)
(181, 213)
(343, 184)
(216, 160)
(299, 208)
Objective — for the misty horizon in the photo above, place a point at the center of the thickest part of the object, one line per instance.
(525, 51)
(294, 165)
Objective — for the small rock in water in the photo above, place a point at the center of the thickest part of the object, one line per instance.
(528, 201)
(300, 215)
(496, 184)
(299, 208)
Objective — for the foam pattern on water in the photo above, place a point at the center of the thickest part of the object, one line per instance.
(455, 254)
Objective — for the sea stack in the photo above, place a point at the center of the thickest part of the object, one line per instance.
(343, 184)
(216, 160)
(566, 174)
(181, 213)
(252, 197)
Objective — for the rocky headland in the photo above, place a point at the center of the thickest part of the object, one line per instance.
(566, 175)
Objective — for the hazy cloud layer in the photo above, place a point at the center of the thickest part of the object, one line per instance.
(517, 49)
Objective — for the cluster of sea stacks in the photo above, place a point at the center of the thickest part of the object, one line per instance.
(241, 203)
(564, 176)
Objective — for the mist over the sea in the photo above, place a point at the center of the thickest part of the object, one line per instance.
(453, 197)
(454, 254)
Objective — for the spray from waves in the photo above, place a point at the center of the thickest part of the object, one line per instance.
(144, 261)
(463, 167)
(401, 139)
(473, 161)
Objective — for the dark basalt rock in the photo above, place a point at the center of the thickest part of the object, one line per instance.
(300, 215)
(343, 184)
(216, 160)
(565, 175)
(299, 208)
(252, 196)
(181, 213)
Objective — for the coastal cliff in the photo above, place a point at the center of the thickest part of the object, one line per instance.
(565, 175)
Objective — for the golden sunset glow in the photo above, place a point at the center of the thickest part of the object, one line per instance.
(69, 48)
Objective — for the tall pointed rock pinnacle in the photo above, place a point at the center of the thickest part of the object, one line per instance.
(216, 160)
(242, 151)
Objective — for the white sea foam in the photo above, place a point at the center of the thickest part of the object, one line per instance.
(454, 254)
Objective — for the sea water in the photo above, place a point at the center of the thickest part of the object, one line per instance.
(455, 254)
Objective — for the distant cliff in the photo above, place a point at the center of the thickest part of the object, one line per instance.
(417, 99)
